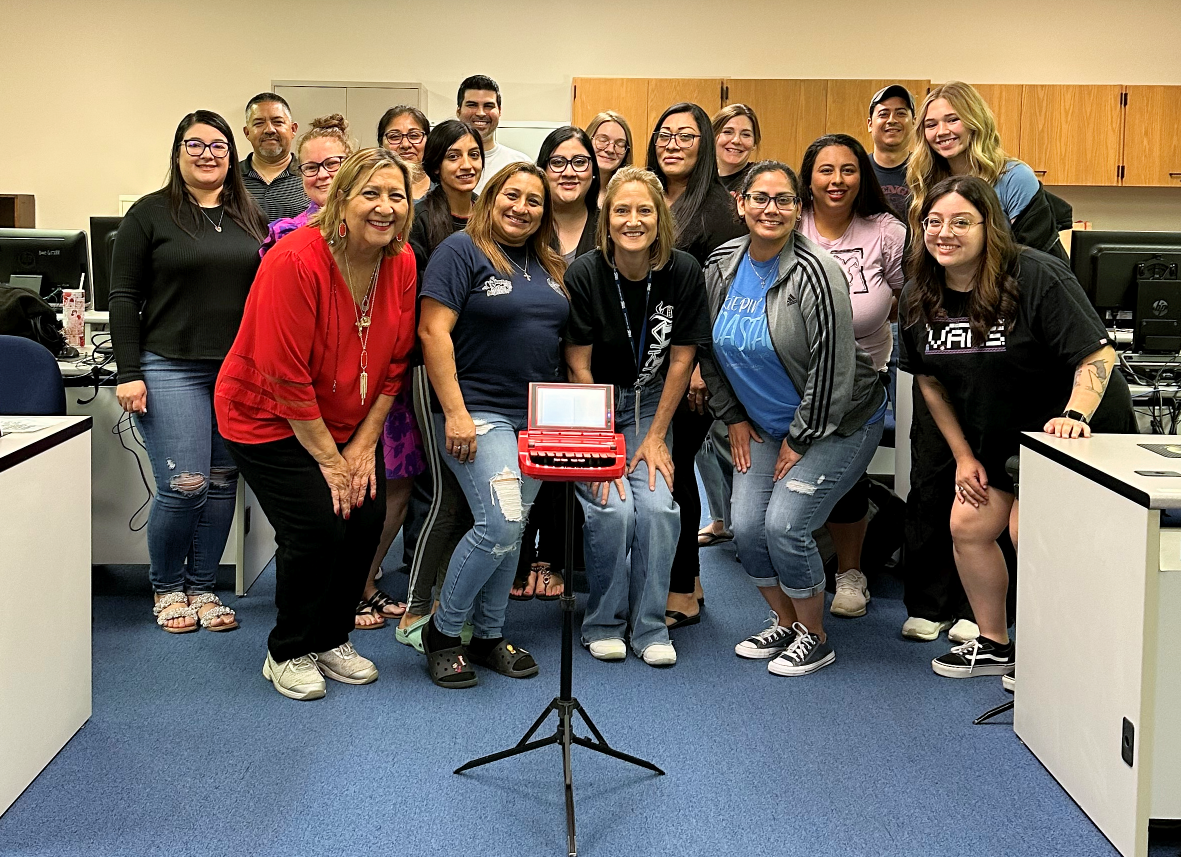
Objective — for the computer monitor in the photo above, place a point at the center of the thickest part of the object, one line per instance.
(102, 249)
(1136, 274)
(57, 256)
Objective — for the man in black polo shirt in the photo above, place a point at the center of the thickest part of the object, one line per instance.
(271, 172)
(891, 125)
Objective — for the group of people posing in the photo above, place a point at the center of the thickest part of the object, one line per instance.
(364, 347)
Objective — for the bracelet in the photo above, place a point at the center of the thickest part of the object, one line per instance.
(1077, 416)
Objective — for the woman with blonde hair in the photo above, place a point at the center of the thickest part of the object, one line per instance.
(737, 135)
(611, 137)
(301, 401)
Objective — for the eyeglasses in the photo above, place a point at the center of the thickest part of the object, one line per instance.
(762, 200)
(196, 148)
(604, 143)
(394, 138)
(957, 225)
(579, 163)
(684, 138)
(330, 166)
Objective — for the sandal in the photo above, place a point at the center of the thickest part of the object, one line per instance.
(387, 607)
(547, 578)
(366, 608)
(448, 668)
(708, 538)
(524, 590)
(507, 659)
(218, 609)
(174, 605)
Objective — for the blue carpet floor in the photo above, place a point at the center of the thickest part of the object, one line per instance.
(191, 752)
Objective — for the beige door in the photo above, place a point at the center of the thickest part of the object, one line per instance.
(1152, 146)
(361, 103)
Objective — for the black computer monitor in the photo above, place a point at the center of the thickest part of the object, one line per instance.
(1136, 273)
(57, 256)
(102, 249)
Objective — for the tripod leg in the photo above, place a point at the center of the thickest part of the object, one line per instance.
(522, 746)
(988, 715)
(603, 747)
(566, 731)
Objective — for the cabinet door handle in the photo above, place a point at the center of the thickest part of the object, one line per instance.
(1039, 172)
(1175, 175)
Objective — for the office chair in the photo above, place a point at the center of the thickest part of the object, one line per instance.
(30, 381)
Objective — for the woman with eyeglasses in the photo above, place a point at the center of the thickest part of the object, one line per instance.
(611, 137)
(803, 405)
(1001, 339)
(846, 213)
(493, 312)
(682, 155)
(184, 259)
(321, 150)
(737, 135)
(404, 130)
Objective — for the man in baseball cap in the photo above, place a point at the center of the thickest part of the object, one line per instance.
(891, 125)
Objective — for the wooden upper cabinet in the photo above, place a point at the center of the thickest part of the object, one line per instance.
(847, 107)
(791, 114)
(1152, 141)
(705, 92)
(1071, 135)
(1005, 101)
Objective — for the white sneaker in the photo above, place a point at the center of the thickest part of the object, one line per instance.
(1009, 683)
(851, 596)
(609, 650)
(963, 631)
(344, 664)
(916, 628)
(297, 678)
(660, 655)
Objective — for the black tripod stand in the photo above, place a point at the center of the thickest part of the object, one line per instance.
(564, 705)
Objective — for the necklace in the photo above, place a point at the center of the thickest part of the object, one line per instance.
(524, 271)
(217, 225)
(363, 319)
(763, 280)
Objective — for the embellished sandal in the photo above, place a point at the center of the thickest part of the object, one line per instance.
(174, 605)
(387, 607)
(366, 608)
(547, 578)
(448, 668)
(507, 659)
(218, 609)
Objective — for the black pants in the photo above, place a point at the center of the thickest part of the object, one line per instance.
(322, 560)
(545, 533)
(689, 431)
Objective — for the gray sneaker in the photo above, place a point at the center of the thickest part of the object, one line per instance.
(806, 654)
(344, 664)
(297, 678)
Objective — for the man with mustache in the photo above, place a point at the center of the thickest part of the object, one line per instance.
(271, 171)
(891, 126)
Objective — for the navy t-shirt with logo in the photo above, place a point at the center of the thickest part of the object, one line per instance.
(510, 327)
(894, 186)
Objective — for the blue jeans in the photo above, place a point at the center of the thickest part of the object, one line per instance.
(713, 462)
(629, 544)
(481, 570)
(773, 521)
(196, 480)
(892, 389)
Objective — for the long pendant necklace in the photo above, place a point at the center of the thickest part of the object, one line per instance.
(524, 271)
(222, 217)
(363, 319)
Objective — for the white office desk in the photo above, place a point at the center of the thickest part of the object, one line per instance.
(1099, 628)
(44, 572)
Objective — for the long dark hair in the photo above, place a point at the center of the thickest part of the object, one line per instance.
(869, 200)
(557, 137)
(238, 203)
(995, 294)
(702, 180)
(436, 211)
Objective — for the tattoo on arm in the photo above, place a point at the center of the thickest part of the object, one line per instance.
(1092, 376)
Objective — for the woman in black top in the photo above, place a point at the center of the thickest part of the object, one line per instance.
(737, 135)
(1000, 339)
(682, 154)
(184, 259)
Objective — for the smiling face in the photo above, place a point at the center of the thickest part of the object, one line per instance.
(771, 223)
(480, 109)
(517, 209)
(944, 131)
(676, 159)
(735, 142)
(956, 253)
(633, 219)
(270, 130)
(568, 186)
(610, 144)
(205, 172)
(836, 178)
(462, 165)
(891, 124)
(405, 148)
(377, 211)
(316, 151)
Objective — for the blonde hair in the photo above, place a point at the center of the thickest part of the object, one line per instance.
(612, 116)
(662, 248)
(986, 158)
(731, 111)
(540, 243)
(330, 127)
(353, 175)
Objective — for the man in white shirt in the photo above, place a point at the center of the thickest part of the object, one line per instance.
(478, 104)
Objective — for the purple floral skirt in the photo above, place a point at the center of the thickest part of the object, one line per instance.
(401, 440)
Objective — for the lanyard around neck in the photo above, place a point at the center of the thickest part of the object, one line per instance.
(638, 349)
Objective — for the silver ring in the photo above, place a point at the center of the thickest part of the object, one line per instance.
(959, 488)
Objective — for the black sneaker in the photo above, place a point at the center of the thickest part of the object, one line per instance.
(976, 657)
(767, 643)
(806, 654)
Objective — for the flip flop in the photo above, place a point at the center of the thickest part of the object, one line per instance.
(709, 539)
(522, 585)
(366, 608)
(544, 581)
(680, 620)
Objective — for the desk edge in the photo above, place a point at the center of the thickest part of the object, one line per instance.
(37, 447)
(1136, 495)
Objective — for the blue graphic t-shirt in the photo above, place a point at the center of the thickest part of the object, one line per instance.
(742, 348)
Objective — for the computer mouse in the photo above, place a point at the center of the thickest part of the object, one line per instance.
(69, 353)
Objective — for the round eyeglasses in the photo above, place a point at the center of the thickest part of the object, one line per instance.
(579, 163)
(957, 225)
(196, 148)
(329, 165)
(604, 143)
(394, 138)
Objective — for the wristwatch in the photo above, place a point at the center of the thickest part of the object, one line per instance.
(1077, 416)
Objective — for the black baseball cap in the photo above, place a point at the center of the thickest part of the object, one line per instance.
(894, 90)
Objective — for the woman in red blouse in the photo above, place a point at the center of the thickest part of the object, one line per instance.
(301, 401)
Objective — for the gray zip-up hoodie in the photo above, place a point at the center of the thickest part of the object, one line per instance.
(810, 321)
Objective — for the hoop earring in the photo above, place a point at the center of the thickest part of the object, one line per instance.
(398, 237)
(342, 230)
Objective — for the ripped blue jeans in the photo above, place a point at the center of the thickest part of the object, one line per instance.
(196, 480)
(482, 567)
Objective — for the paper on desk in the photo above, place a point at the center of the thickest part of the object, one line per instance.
(21, 425)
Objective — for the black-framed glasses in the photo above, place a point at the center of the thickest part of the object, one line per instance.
(684, 138)
(329, 165)
(603, 143)
(196, 148)
(957, 225)
(394, 138)
(579, 163)
(782, 201)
